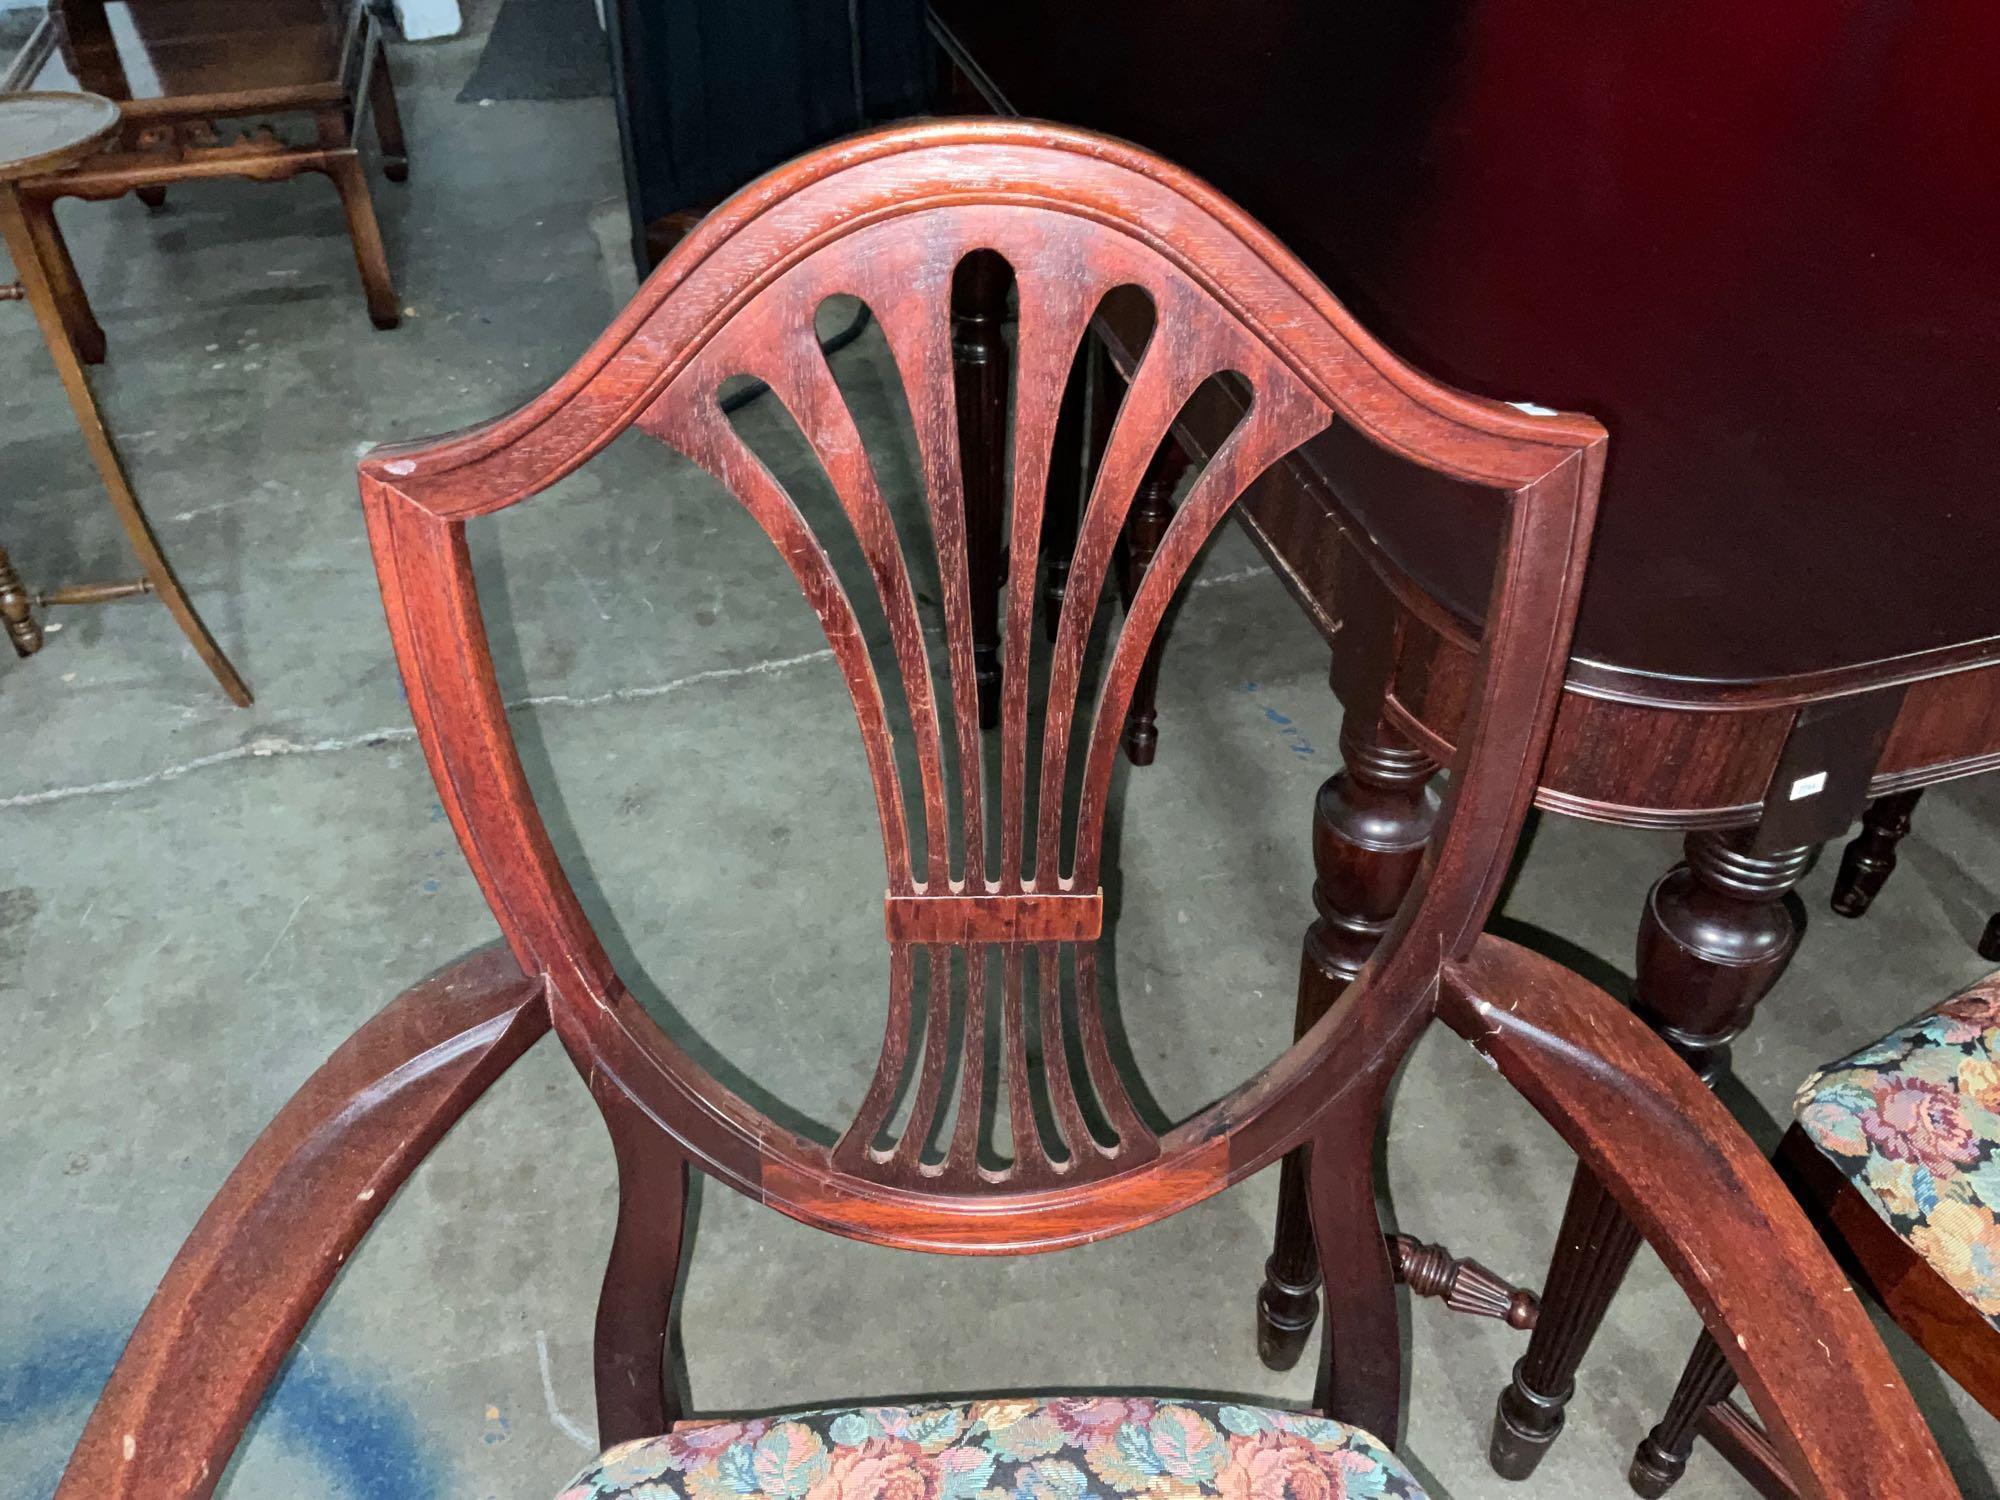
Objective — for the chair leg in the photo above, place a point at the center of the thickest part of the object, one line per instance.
(1717, 932)
(982, 364)
(65, 286)
(1663, 1453)
(1360, 1378)
(388, 116)
(1371, 821)
(370, 257)
(1866, 863)
(635, 1395)
(1145, 527)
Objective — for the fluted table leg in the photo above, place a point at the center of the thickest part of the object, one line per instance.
(1717, 932)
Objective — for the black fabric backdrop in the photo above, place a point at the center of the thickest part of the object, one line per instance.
(713, 92)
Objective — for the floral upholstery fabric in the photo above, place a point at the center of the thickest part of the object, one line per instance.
(1061, 1449)
(1914, 1122)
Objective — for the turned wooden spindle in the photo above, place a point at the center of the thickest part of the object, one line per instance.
(17, 610)
(1464, 1285)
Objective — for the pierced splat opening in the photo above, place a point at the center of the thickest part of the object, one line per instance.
(923, 738)
(853, 486)
(1140, 524)
(995, 1070)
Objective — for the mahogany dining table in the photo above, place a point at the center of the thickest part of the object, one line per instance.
(1757, 242)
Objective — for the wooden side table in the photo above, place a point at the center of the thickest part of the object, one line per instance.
(42, 133)
(177, 69)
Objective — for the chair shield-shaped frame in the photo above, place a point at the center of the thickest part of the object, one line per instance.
(888, 218)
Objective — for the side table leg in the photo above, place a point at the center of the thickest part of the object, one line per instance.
(66, 287)
(1371, 821)
(388, 117)
(35, 282)
(1717, 932)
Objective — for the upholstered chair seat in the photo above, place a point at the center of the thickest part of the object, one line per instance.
(1913, 1120)
(1060, 1448)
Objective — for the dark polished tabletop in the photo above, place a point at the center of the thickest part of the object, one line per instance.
(1761, 243)
(164, 49)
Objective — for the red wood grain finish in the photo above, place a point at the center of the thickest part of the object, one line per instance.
(888, 217)
(1059, 917)
(271, 1242)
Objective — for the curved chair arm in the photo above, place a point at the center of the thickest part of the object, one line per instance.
(1725, 1226)
(273, 1238)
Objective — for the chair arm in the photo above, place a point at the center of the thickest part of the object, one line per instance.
(1725, 1226)
(271, 1241)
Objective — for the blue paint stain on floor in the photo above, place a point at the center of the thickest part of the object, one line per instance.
(345, 1436)
(1289, 734)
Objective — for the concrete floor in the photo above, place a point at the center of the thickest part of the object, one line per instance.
(197, 903)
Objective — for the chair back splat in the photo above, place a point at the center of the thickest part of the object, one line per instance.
(999, 884)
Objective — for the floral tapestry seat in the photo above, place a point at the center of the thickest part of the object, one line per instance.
(1064, 1448)
(1914, 1121)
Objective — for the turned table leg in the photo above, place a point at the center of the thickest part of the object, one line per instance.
(1717, 932)
(1371, 821)
(981, 360)
(1866, 863)
(1145, 527)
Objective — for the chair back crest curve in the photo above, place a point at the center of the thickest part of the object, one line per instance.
(889, 218)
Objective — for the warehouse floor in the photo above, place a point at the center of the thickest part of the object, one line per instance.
(197, 903)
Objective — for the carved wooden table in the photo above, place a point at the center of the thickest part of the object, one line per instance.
(1757, 246)
(41, 133)
(176, 68)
